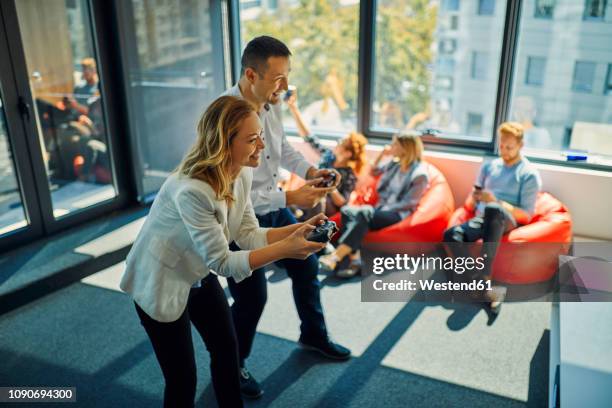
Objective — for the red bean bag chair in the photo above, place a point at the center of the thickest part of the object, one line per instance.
(425, 225)
(530, 253)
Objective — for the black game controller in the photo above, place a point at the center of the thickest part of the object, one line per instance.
(323, 232)
(328, 180)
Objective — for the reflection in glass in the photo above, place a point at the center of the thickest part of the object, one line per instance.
(437, 66)
(61, 62)
(12, 214)
(175, 69)
(323, 38)
(568, 106)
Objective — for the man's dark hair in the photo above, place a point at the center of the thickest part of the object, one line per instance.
(258, 50)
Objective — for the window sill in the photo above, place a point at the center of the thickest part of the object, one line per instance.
(556, 159)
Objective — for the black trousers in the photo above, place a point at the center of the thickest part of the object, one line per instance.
(250, 295)
(490, 228)
(208, 310)
(357, 221)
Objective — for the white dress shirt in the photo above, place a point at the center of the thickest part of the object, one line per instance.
(266, 196)
(185, 236)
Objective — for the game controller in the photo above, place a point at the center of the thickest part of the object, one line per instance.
(328, 180)
(323, 232)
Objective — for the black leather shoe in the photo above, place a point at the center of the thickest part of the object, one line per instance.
(249, 387)
(326, 347)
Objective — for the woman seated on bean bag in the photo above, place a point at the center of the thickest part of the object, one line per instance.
(403, 181)
(348, 158)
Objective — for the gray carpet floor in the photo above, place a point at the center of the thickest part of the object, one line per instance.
(406, 354)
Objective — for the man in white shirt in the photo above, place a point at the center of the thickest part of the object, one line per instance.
(264, 79)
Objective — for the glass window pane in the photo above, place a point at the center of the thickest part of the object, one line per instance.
(535, 70)
(479, 65)
(323, 38)
(62, 67)
(474, 123)
(568, 109)
(594, 9)
(450, 5)
(175, 69)
(544, 8)
(608, 84)
(486, 7)
(432, 73)
(584, 73)
(12, 215)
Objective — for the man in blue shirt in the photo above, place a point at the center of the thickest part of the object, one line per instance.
(503, 197)
(265, 76)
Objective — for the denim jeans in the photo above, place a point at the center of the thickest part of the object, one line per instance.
(495, 222)
(250, 295)
(357, 221)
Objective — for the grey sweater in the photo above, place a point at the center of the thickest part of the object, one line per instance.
(401, 191)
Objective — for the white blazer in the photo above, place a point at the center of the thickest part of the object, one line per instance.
(185, 236)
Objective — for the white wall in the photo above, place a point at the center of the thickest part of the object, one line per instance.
(587, 193)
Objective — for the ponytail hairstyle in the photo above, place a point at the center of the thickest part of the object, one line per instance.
(412, 145)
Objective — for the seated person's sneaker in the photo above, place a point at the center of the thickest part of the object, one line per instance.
(326, 347)
(353, 268)
(496, 296)
(249, 387)
(328, 263)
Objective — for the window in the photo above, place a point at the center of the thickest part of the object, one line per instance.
(594, 9)
(323, 38)
(454, 23)
(173, 74)
(444, 83)
(535, 71)
(69, 103)
(423, 73)
(486, 7)
(474, 123)
(608, 84)
(247, 4)
(447, 46)
(556, 113)
(584, 72)
(446, 65)
(479, 65)
(450, 5)
(11, 204)
(544, 8)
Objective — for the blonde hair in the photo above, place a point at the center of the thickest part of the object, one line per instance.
(209, 158)
(412, 145)
(512, 129)
(88, 63)
(357, 147)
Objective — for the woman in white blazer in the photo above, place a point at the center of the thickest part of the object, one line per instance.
(201, 208)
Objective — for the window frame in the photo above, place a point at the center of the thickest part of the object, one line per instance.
(580, 89)
(541, 16)
(601, 18)
(366, 61)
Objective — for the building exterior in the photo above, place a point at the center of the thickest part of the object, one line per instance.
(562, 74)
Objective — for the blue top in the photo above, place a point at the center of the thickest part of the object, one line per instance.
(517, 184)
(401, 191)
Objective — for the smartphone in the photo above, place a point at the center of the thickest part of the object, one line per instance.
(288, 93)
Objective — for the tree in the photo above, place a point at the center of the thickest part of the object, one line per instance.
(323, 37)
